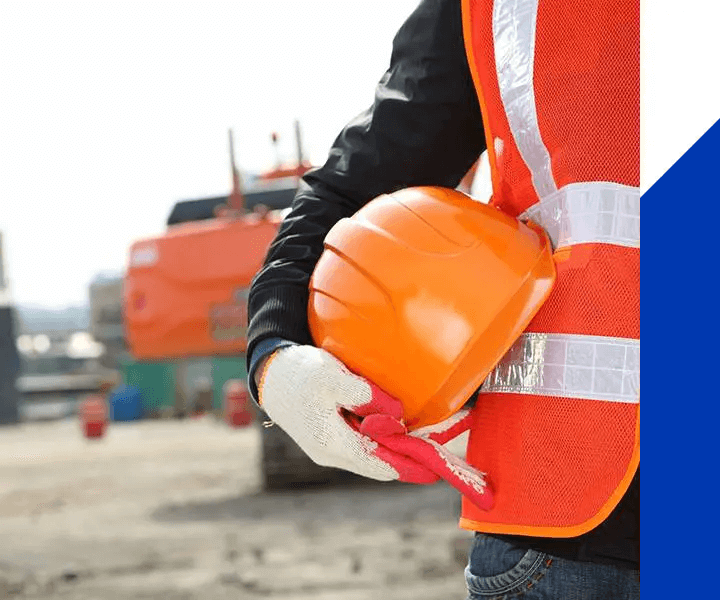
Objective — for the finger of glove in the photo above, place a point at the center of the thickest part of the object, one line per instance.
(467, 480)
(379, 402)
(377, 427)
(448, 429)
(385, 430)
(409, 470)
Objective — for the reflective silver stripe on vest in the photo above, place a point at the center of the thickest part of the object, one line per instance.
(569, 366)
(591, 212)
(514, 41)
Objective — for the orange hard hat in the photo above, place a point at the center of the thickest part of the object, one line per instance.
(423, 291)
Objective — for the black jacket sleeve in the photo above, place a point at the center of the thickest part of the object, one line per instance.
(424, 128)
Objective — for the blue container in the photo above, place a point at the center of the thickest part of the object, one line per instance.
(126, 403)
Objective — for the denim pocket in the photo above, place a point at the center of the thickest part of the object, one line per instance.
(498, 570)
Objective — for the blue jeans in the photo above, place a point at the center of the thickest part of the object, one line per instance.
(498, 570)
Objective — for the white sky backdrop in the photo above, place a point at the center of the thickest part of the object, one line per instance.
(112, 111)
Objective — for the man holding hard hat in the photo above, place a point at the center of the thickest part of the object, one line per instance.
(388, 299)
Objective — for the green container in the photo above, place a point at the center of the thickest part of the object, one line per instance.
(223, 369)
(156, 381)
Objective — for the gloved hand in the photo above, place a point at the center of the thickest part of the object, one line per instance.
(343, 420)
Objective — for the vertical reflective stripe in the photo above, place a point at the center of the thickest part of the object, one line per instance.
(590, 212)
(514, 39)
(569, 366)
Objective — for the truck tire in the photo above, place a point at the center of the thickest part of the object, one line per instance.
(286, 466)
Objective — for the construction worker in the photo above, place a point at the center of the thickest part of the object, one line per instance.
(550, 89)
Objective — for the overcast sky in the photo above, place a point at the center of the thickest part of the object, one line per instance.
(110, 112)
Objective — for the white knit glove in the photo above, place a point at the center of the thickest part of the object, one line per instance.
(303, 389)
(342, 420)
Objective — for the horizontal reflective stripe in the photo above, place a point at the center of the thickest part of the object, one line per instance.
(569, 366)
(590, 212)
(514, 42)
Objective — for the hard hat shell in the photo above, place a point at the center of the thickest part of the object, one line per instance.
(423, 291)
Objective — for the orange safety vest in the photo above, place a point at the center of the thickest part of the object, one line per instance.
(556, 426)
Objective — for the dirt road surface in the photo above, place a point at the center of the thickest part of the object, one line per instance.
(173, 510)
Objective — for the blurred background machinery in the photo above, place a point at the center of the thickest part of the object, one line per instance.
(9, 359)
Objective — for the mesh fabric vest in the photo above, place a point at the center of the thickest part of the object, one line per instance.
(557, 422)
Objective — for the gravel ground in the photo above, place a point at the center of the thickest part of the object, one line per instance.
(173, 510)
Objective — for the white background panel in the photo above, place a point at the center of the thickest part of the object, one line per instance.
(680, 86)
